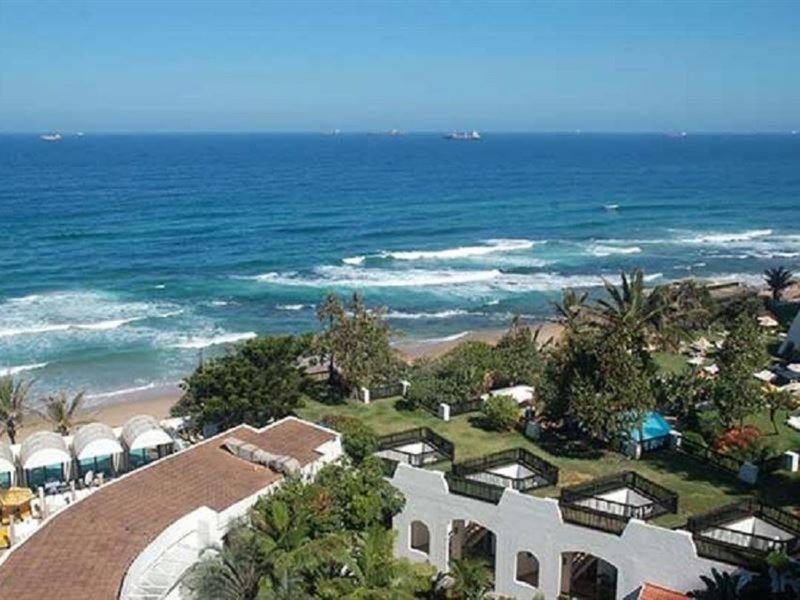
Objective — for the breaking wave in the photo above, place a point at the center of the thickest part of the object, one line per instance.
(489, 247)
(442, 314)
(603, 250)
(21, 368)
(204, 342)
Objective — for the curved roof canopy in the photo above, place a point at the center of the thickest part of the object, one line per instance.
(6, 458)
(143, 431)
(95, 439)
(43, 448)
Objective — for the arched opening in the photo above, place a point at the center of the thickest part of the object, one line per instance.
(473, 541)
(527, 569)
(587, 577)
(420, 537)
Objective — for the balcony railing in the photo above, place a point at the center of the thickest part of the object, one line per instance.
(474, 489)
(442, 449)
(715, 538)
(582, 504)
(542, 474)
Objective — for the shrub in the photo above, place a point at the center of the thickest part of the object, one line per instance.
(709, 424)
(358, 439)
(744, 443)
(501, 412)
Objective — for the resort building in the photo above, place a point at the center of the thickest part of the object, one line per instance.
(134, 538)
(593, 541)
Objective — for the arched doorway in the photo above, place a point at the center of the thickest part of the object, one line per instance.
(527, 570)
(420, 537)
(471, 540)
(587, 577)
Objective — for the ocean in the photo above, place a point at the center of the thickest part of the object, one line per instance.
(122, 257)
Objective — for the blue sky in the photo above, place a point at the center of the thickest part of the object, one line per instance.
(418, 66)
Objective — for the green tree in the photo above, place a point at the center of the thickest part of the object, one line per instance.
(501, 412)
(572, 308)
(62, 411)
(720, 586)
(359, 440)
(232, 572)
(595, 382)
(357, 339)
(13, 404)
(778, 279)
(737, 393)
(471, 580)
(519, 356)
(259, 381)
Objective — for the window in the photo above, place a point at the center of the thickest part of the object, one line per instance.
(5, 480)
(98, 464)
(43, 475)
(420, 537)
(527, 569)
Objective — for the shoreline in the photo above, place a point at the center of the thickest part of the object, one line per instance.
(158, 400)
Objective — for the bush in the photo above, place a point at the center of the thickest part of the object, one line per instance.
(709, 424)
(744, 443)
(429, 390)
(358, 439)
(501, 412)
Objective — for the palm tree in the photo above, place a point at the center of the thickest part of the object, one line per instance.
(13, 403)
(778, 279)
(471, 580)
(571, 306)
(232, 572)
(720, 586)
(61, 410)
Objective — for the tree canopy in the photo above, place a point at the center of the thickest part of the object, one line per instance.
(258, 381)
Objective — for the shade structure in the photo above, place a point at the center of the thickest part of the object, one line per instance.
(42, 449)
(15, 497)
(143, 431)
(95, 439)
(653, 426)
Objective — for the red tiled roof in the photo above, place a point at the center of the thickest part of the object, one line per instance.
(84, 552)
(656, 592)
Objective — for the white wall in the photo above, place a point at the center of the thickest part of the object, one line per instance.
(643, 553)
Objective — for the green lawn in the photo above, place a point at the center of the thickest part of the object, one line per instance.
(699, 487)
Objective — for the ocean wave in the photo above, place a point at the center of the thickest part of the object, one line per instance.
(442, 314)
(603, 250)
(293, 307)
(354, 260)
(489, 247)
(4, 371)
(198, 343)
(726, 237)
(98, 326)
(446, 338)
(123, 392)
(350, 277)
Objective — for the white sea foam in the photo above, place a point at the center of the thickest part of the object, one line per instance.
(97, 326)
(21, 368)
(713, 238)
(293, 307)
(489, 247)
(332, 276)
(447, 338)
(354, 260)
(197, 343)
(122, 392)
(442, 314)
(604, 250)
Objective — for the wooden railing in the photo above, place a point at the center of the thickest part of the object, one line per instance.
(543, 471)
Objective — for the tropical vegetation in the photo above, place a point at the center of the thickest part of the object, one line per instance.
(258, 381)
(13, 405)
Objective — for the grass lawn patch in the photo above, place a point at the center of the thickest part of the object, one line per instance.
(700, 487)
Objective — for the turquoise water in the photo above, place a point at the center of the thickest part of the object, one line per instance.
(122, 257)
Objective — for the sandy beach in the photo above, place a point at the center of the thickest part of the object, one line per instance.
(158, 401)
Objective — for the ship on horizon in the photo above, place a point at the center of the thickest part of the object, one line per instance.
(463, 136)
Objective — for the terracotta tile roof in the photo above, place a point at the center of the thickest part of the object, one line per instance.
(84, 552)
(656, 592)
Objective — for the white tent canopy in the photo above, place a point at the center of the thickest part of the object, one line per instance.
(143, 431)
(6, 459)
(42, 449)
(95, 440)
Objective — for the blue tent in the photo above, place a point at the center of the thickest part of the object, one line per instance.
(653, 426)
